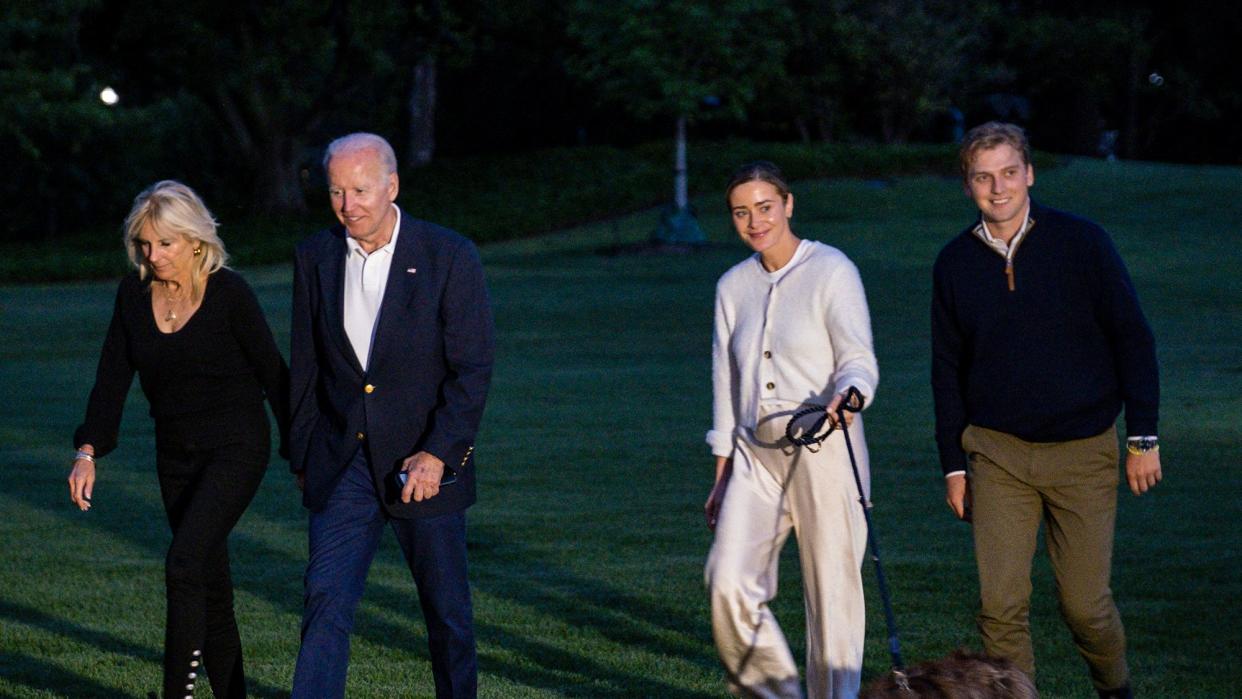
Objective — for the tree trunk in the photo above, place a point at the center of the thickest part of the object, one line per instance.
(53, 221)
(1139, 52)
(886, 125)
(681, 193)
(894, 128)
(261, 140)
(281, 182)
(823, 111)
(422, 104)
(804, 132)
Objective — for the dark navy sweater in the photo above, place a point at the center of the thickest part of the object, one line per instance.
(1052, 360)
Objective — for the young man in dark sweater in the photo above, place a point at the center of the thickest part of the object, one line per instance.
(1038, 341)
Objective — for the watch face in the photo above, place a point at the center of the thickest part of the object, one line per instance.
(1146, 444)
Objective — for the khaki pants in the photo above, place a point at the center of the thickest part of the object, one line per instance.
(776, 488)
(1072, 488)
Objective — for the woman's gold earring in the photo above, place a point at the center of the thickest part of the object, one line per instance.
(198, 251)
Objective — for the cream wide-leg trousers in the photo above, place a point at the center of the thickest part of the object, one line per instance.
(776, 488)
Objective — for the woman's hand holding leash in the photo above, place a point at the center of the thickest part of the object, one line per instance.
(853, 403)
(840, 409)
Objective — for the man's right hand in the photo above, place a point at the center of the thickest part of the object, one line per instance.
(957, 495)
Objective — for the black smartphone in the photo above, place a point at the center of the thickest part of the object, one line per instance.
(450, 476)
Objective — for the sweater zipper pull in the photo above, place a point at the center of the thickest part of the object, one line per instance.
(1009, 273)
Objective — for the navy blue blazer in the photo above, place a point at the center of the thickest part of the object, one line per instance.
(428, 375)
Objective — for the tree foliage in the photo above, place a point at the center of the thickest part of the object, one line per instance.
(914, 56)
(64, 147)
(677, 58)
(239, 98)
(263, 74)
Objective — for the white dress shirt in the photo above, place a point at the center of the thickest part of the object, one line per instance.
(366, 277)
(1005, 249)
(797, 335)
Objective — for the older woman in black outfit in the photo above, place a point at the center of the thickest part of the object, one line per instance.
(194, 332)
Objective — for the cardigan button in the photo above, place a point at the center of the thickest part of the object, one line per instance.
(767, 354)
(771, 386)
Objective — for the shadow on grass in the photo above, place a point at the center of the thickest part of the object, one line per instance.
(67, 683)
(501, 567)
(571, 674)
(42, 676)
(511, 570)
(13, 613)
(507, 569)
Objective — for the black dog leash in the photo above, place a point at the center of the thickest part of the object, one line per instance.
(853, 402)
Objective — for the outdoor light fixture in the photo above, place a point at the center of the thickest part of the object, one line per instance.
(108, 96)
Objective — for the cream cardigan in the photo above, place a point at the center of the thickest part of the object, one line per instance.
(797, 335)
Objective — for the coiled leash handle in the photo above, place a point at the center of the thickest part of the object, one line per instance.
(811, 439)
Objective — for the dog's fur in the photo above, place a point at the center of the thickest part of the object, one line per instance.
(962, 675)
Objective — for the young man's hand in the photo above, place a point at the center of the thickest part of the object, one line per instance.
(957, 495)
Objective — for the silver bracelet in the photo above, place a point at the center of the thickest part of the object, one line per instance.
(84, 455)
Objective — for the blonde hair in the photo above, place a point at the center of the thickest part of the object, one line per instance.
(172, 207)
(988, 136)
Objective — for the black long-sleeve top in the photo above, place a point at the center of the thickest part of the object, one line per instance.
(1052, 359)
(214, 372)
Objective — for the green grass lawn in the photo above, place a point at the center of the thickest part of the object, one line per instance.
(587, 544)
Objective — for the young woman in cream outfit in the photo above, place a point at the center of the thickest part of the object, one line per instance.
(791, 329)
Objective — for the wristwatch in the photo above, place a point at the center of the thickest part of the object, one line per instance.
(1142, 445)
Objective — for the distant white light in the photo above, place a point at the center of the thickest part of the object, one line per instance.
(108, 96)
(1156, 79)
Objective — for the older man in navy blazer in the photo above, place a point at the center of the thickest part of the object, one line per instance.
(391, 361)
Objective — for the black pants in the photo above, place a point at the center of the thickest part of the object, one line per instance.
(205, 490)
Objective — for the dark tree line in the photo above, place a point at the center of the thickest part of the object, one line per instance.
(239, 98)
